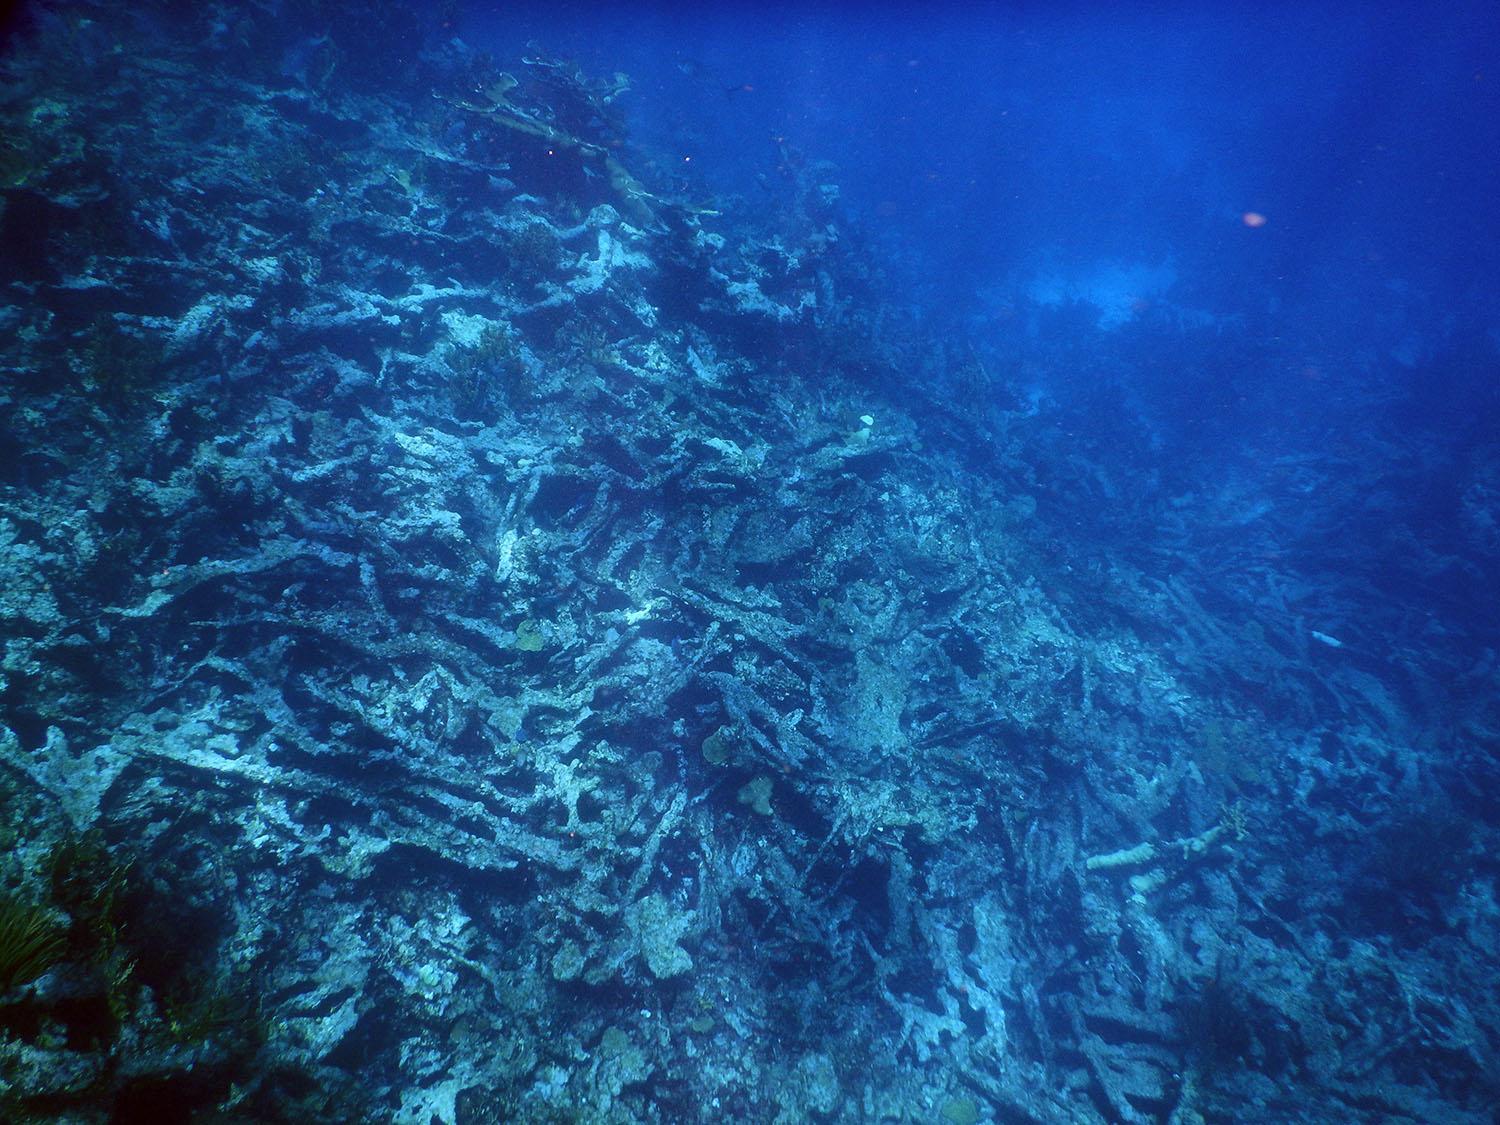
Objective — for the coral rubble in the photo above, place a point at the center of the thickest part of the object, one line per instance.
(482, 638)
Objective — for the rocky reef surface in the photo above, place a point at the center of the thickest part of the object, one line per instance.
(486, 637)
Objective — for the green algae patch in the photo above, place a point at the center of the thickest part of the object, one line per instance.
(718, 748)
(960, 1111)
(568, 962)
(529, 636)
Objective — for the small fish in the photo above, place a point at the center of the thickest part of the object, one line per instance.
(1324, 638)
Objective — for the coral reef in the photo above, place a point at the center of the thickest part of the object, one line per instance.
(482, 639)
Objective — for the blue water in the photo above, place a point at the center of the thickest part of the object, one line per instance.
(1017, 150)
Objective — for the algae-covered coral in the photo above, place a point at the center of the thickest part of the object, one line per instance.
(521, 645)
